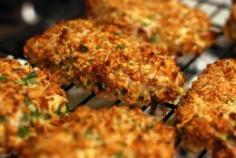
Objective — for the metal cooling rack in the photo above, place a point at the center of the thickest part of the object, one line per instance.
(192, 66)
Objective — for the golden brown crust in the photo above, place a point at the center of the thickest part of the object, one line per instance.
(104, 60)
(110, 132)
(207, 115)
(28, 101)
(230, 28)
(181, 29)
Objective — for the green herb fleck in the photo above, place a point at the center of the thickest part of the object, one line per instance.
(28, 102)
(153, 38)
(59, 111)
(117, 33)
(141, 98)
(25, 118)
(35, 114)
(47, 116)
(120, 47)
(150, 126)
(62, 111)
(231, 137)
(83, 48)
(87, 82)
(124, 91)
(98, 47)
(3, 119)
(88, 133)
(101, 85)
(69, 108)
(143, 23)
(23, 131)
(30, 79)
(119, 155)
(2, 78)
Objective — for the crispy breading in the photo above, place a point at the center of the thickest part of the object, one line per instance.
(182, 29)
(106, 61)
(109, 132)
(28, 101)
(207, 115)
(230, 28)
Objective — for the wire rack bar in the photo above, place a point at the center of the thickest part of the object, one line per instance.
(228, 52)
(202, 154)
(88, 98)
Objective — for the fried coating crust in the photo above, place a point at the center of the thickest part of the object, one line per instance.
(181, 29)
(104, 60)
(207, 115)
(108, 133)
(230, 27)
(28, 101)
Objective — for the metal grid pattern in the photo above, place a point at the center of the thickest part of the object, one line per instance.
(190, 65)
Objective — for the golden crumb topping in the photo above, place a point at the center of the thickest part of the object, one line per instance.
(207, 115)
(28, 101)
(161, 22)
(116, 132)
(104, 60)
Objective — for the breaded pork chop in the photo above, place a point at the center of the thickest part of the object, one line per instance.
(230, 28)
(106, 61)
(116, 132)
(207, 115)
(182, 29)
(28, 101)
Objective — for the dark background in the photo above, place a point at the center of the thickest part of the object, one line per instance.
(20, 19)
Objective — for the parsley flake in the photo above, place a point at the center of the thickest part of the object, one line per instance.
(3, 119)
(30, 79)
(145, 24)
(150, 126)
(120, 47)
(88, 133)
(23, 131)
(101, 85)
(2, 78)
(28, 102)
(153, 38)
(124, 91)
(47, 116)
(62, 111)
(119, 155)
(98, 47)
(83, 48)
(35, 114)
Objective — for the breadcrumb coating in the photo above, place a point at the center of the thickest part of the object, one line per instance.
(116, 132)
(207, 115)
(104, 60)
(230, 28)
(162, 22)
(28, 101)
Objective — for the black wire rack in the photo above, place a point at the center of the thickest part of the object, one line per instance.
(190, 65)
